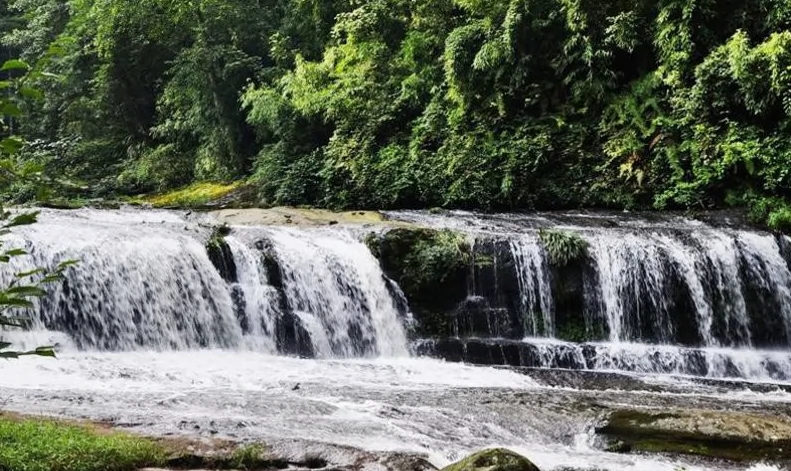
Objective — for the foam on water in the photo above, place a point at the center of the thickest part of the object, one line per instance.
(443, 409)
(669, 295)
(145, 280)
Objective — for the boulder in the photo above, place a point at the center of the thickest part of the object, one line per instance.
(496, 459)
(735, 436)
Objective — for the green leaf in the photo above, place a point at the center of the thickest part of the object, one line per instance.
(16, 252)
(4, 345)
(10, 145)
(15, 64)
(23, 219)
(68, 263)
(14, 302)
(11, 322)
(10, 109)
(31, 168)
(26, 291)
(24, 274)
(51, 279)
(44, 352)
(30, 92)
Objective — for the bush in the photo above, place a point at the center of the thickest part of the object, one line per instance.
(563, 247)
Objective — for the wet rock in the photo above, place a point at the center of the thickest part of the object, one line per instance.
(736, 436)
(496, 459)
(222, 258)
(406, 462)
(619, 447)
(290, 335)
(431, 267)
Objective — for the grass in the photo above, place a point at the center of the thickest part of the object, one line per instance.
(48, 445)
(195, 195)
(41, 444)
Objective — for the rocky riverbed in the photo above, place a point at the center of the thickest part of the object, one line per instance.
(350, 411)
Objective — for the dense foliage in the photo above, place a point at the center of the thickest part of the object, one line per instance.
(19, 289)
(390, 103)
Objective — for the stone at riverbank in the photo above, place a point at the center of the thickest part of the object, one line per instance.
(496, 459)
(736, 436)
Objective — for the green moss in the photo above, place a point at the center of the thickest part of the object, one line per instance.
(430, 266)
(496, 459)
(250, 457)
(563, 247)
(780, 219)
(218, 235)
(641, 431)
(193, 196)
(45, 445)
(572, 331)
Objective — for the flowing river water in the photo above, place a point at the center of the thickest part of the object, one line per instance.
(153, 337)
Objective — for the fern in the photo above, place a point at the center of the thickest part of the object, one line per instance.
(562, 247)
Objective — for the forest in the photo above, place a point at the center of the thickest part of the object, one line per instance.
(480, 104)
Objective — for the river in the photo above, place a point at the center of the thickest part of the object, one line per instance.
(153, 338)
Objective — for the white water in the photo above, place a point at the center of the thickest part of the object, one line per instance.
(632, 282)
(145, 281)
(442, 409)
(534, 285)
(335, 286)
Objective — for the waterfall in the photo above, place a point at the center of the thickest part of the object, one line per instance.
(337, 290)
(146, 281)
(141, 282)
(668, 296)
(633, 280)
(534, 285)
(256, 299)
(660, 295)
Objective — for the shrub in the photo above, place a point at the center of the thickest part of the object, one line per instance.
(562, 247)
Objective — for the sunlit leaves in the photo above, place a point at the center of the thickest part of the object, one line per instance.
(14, 64)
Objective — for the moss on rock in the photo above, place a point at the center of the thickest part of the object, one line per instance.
(496, 459)
(735, 436)
(431, 267)
(220, 253)
(562, 247)
(196, 195)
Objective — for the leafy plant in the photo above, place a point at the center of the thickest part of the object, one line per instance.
(562, 247)
(25, 286)
(248, 456)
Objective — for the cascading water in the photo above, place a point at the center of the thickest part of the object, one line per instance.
(334, 287)
(534, 285)
(145, 280)
(672, 296)
(142, 281)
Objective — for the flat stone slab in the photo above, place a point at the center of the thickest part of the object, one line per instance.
(737, 436)
(167, 469)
